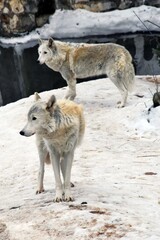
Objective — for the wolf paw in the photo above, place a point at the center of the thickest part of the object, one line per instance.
(58, 197)
(120, 104)
(68, 199)
(68, 196)
(39, 191)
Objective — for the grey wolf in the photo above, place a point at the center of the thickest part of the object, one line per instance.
(86, 60)
(59, 127)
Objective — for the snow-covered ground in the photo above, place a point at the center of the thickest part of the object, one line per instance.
(82, 23)
(116, 171)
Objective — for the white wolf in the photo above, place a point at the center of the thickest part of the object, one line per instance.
(59, 127)
(86, 60)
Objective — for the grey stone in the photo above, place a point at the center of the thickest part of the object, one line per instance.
(18, 17)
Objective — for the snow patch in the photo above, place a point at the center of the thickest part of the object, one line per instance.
(82, 23)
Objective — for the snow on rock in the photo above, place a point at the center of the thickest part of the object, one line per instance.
(83, 23)
(115, 171)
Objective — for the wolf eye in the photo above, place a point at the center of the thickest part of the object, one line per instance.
(34, 118)
(45, 52)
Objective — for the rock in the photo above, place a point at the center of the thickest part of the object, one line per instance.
(41, 20)
(18, 17)
(16, 6)
(104, 5)
(13, 22)
(98, 6)
(1, 5)
(155, 3)
(5, 10)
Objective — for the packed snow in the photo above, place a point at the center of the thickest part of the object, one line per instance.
(115, 171)
(82, 23)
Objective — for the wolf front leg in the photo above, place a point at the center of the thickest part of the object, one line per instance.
(42, 151)
(71, 93)
(70, 78)
(66, 166)
(55, 159)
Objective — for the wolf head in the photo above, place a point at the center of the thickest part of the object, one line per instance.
(46, 50)
(40, 118)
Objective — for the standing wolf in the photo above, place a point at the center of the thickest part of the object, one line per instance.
(86, 60)
(59, 127)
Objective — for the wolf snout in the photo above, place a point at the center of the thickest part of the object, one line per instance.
(26, 133)
(40, 61)
(22, 133)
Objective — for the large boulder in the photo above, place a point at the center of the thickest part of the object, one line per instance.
(18, 17)
(104, 5)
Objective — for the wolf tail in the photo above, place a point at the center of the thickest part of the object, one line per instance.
(81, 127)
(129, 72)
(129, 79)
(122, 73)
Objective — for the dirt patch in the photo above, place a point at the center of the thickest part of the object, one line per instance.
(111, 231)
(3, 232)
(2, 227)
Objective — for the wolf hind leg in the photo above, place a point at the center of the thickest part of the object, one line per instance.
(124, 94)
(119, 80)
(125, 83)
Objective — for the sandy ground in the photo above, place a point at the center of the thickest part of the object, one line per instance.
(116, 172)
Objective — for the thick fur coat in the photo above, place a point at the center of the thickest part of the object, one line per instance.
(59, 127)
(85, 60)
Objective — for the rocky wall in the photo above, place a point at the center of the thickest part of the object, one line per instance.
(19, 17)
(103, 5)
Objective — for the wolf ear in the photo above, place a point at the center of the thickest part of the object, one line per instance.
(50, 42)
(52, 45)
(51, 103)
(36, 96)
